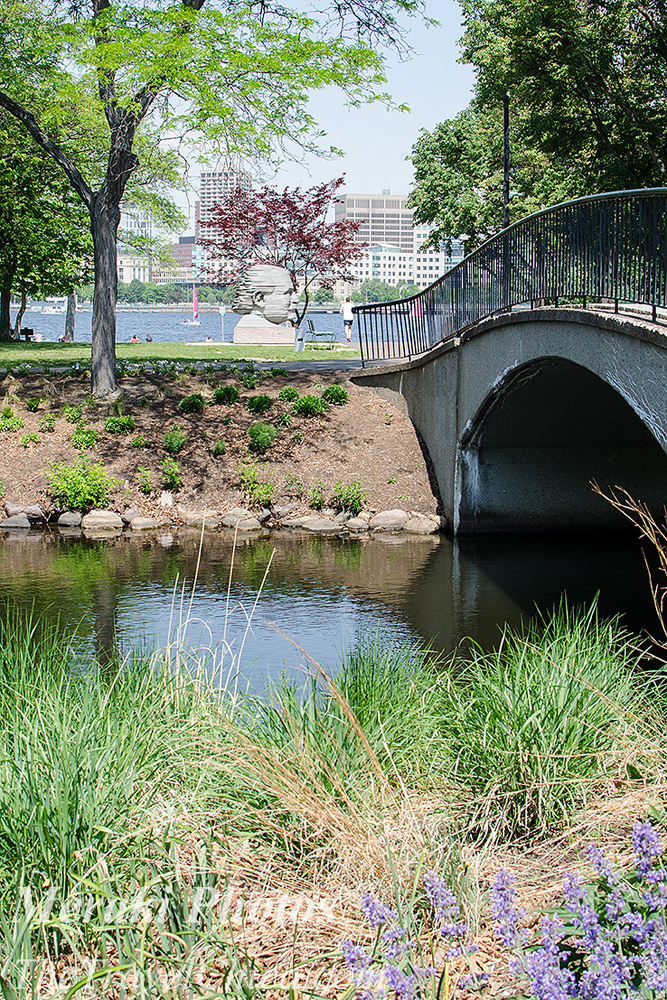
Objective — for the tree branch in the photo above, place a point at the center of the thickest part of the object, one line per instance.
(50, 147)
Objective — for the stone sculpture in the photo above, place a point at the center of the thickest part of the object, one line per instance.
(265, 298)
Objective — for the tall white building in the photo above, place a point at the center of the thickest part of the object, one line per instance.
(385, 218)
(214, 185)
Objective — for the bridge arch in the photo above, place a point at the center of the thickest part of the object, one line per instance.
(547, 429)
(528, 408)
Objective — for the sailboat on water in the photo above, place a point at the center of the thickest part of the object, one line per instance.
(195, 309)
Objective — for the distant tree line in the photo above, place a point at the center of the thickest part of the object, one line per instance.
(148, 293)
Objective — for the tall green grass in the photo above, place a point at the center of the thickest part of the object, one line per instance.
(534, 726)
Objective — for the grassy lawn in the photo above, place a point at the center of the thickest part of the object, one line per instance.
(12, 354)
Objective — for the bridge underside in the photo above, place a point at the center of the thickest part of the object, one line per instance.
(551, 429)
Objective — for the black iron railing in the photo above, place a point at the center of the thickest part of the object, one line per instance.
(609, 247)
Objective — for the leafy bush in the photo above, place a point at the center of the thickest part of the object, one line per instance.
(315, 495)
(84, 437)
(297, 437)
(81, 485)
(32, 437)
(72, 413)
(219, 448)
(258, 493)
(309, 406)
(144, 479)
(293, 484)
(192, 404)
(226, 394)
(46, 423)
(174, 439)
(261, 437)
(336, 395)
(284, 420)
(140, 441)
(251, 380)
(172, 476)
(289, 394)
(258, 404)
(32, 404)
(349, 496)
(278, 372)
(10, 423)
(119, 425)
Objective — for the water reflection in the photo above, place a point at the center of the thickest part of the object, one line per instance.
(324, 593)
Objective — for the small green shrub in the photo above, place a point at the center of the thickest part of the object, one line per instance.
(251, 380)
(144, 479)
(348, 496)
(72, 413)
(293, 484)
(32, 404)
(174, 440)
(284, 420)
(258, 493)
(289, 394)
(119, 425)
(11, 423)
(172, 476)
(80, 485)
(84, 437)
(192, 404)
(278, 372)
(298, 437)
(219, 448)
(315, 495)
(47, 423)
(309, 406)
(32, 437)
(261, 437)
(140, 441)
(258, 404)
(226, 394)
(2, 488)
(336, 395)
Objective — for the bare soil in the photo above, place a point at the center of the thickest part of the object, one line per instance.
(367, 440)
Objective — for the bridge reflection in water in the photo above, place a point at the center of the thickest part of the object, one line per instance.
(324, 593)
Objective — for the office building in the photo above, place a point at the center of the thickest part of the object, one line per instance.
(214, 185)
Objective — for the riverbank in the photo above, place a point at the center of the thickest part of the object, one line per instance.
(181, 443)
(191, 840)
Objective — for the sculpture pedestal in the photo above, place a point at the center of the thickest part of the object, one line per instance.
(254, 329)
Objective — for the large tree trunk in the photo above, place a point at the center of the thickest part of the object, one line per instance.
(5, 317)
(70, 318)
(104, 226)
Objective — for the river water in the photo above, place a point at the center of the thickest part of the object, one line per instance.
(163, 326)
(320, 595)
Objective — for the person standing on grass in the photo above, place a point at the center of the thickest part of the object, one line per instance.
(348, 316)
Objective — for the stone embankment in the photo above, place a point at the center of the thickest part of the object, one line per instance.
(325, 522)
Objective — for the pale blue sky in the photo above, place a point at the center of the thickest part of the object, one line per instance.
(376, 142)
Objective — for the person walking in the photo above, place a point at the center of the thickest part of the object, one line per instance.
(348, 316)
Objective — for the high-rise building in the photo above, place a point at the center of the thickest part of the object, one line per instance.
(385, 218)
(214, 185)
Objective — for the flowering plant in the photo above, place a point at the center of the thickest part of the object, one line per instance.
(609, 940)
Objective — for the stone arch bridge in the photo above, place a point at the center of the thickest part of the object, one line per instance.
(523, 411)
(519, 409)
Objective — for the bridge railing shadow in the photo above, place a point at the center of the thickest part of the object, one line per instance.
(608, 247)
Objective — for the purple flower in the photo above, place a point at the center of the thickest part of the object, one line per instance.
(602, 865)
(548, 980)
(446, 906)
(646, 846)
(404, 984)
(355, 957)
(582, 911)
(376, 913)
(505, 910)
(607, 974)
(396, 943)
(365, 978)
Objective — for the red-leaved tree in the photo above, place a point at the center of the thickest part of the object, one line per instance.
(287, 228)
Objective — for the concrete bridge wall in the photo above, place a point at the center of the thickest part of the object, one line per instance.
(529, 408)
